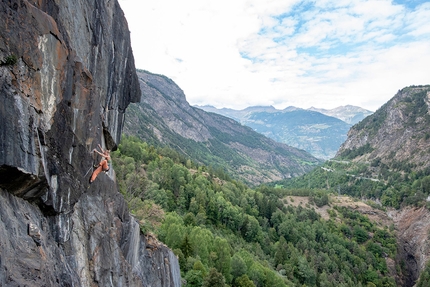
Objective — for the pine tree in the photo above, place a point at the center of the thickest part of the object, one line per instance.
(186, 247)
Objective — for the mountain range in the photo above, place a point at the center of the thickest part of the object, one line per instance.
(349, 114)
(318, 131)
(165, 117)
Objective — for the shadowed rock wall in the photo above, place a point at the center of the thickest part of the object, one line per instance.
(66, 77)
(413, 229)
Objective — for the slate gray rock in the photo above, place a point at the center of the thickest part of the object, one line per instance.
(65, 93)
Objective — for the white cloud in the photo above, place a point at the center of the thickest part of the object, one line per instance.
(250, 52)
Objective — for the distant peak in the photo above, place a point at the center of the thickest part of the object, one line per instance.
(204, 106)
(291, 108)
(259, 108)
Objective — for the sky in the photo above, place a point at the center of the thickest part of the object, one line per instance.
(323, 53)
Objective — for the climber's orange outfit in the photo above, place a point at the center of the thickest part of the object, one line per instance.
(103, 165)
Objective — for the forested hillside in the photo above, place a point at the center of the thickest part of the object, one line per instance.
(227, 233)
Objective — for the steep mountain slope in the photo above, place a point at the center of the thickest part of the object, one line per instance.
(396, 136)
(318, 134)
(66, 77)
(164, 116)
(386, 156)
(349, 114)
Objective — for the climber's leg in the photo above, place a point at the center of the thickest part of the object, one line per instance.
(104, 164)
(95, 173)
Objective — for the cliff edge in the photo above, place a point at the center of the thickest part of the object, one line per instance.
(66, 77)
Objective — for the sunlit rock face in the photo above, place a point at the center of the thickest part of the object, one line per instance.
(66, 77)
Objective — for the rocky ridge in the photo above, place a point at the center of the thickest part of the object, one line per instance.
(396, 133)
(349, 114)
(67, 76)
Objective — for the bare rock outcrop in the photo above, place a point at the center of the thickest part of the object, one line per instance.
(66, 77)
(412, 229)
(397, 132)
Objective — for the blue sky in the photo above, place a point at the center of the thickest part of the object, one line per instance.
(283, 53)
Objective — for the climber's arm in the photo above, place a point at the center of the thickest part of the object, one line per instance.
(95, 150)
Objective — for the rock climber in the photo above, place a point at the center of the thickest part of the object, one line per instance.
(104, 163)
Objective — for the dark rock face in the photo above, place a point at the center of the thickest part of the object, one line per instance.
(67, 91)
(66, 77)
(413, 229)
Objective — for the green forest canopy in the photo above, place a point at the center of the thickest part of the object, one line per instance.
(225, 233)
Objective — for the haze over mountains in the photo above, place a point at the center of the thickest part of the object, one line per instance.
(318, 131)
(349, 114)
